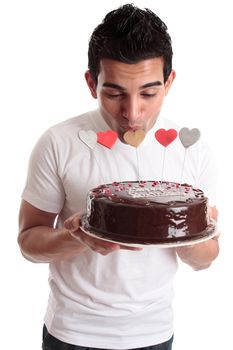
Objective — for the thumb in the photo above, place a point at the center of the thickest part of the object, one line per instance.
(73, 222)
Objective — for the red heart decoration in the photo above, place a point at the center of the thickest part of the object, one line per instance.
(107, 138)
(165, 137)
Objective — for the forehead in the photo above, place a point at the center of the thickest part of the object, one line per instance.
(143, 71)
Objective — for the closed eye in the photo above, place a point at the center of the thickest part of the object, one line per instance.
(148, 95)
(116, 95)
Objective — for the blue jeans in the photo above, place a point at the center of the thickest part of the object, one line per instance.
(52, 343)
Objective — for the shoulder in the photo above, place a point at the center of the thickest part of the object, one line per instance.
(82, 121)
(67, 130)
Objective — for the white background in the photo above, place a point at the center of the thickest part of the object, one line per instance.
(43, 58)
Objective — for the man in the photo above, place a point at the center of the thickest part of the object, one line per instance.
(104, 295)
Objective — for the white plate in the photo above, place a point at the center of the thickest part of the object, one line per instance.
(209, 233)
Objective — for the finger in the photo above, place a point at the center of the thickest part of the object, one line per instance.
(73, 222)
(98, 245)
(213, 213)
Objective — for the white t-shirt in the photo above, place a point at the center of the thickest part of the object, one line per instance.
(122, 300)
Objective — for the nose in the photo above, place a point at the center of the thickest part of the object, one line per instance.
(132, 111)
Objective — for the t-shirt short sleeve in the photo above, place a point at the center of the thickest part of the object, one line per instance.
(44, 188)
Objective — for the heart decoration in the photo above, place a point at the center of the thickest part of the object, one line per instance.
(88, 137)
(189, 137)
(165, 137)
(134, 138)
(107, 138)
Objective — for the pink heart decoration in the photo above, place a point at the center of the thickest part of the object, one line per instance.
(107, 138)
(165, 137)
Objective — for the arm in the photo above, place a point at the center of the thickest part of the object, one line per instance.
(200, 256)
(39, 241)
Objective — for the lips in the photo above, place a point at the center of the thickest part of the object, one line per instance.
(131, 128)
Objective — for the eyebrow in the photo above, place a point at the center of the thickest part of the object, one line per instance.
(119, 87)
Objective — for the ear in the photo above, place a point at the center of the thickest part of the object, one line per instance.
(169, 81)
(91, 84)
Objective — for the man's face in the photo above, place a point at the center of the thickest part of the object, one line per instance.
(130, 95)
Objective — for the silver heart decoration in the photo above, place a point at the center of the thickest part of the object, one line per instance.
(189, 136)
(88, 137)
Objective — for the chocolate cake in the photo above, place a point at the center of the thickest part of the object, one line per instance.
(147, 212)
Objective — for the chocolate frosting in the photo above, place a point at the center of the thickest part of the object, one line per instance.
(147, 212)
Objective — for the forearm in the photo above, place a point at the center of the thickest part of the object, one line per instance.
(45, 244)
(199, 256)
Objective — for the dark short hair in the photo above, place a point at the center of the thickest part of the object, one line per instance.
(130, 34)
